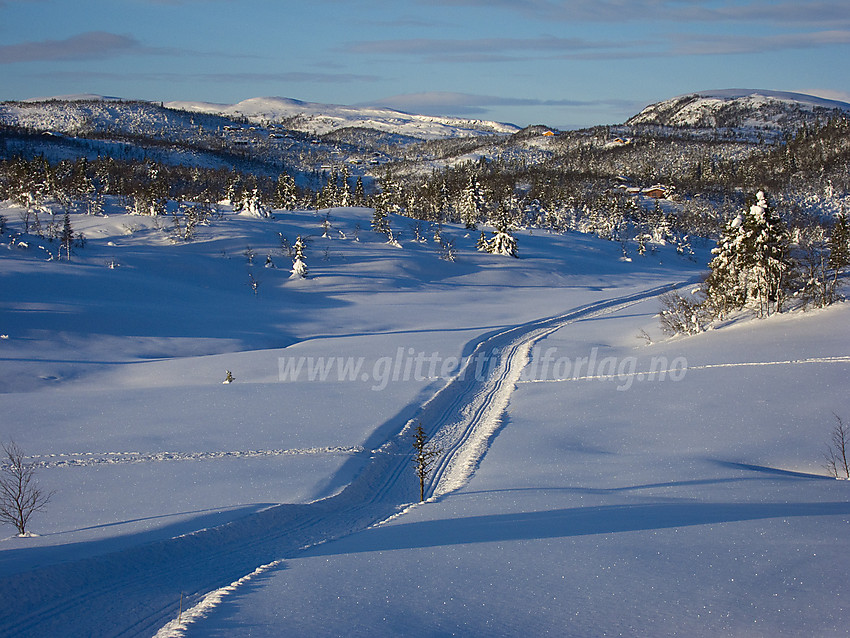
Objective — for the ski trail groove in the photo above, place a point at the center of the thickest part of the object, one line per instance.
(85, 459)
(136, 591)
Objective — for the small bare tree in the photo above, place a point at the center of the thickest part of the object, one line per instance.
(423, 458)
(836, 453)
(20, 495)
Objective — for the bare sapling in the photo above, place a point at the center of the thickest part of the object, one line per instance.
(836, 452)
(20, 495)
(423, 459)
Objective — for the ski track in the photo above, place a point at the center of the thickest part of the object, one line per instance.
(83, 459)
(139, 591)
(663, 373)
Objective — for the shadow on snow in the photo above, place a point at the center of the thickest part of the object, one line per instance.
(566, 523)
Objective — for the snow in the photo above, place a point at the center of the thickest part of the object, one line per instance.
(740, 108)
(591, 483)
(786, 96)
(319, 119)
(75, 97)
(690, 507)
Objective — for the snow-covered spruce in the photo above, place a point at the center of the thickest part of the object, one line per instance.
(299, 266)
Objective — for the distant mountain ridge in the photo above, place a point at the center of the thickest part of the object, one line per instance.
(753, 109)
(66, 111)
(740, 108)
(319, 119)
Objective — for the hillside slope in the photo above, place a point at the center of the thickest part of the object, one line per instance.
(740, 108)
(319, 119)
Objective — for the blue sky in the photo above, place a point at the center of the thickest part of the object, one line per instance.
(562, 63)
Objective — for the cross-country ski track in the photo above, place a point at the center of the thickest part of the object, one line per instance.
(137, 591)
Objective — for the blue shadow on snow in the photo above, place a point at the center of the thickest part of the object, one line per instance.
(567, 523)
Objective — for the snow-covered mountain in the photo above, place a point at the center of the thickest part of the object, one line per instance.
(740, 108)
(76, 114)
(319, 119)
(270, 132)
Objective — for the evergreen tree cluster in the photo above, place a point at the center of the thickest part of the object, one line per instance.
(144, 187)
(339, 192)
(752, 262)
(760, 265)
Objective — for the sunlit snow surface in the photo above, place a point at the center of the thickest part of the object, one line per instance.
(609, 502)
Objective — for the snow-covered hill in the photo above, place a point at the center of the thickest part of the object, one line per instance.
(76, 114)
(740, 108)
(319, 119)
(86, 114)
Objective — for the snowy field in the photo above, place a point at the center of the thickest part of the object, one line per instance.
(693, 507)
(594, 483)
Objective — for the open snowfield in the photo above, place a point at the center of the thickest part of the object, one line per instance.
(592, 483)
(693, 507)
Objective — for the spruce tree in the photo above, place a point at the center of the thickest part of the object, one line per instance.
(380, 222)
(285, 195)
(726, 284)
(67, 237)
(470, 205)
(299, 266)
(252, 204)
(359, 193)
(503, 242)
(344, 196)
(767, 253)
(329, 195)
(390, 195)
(752, 261)
(839, 247)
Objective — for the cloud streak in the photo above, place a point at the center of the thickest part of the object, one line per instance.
(729, 45)
(614, 11)
(85, 46)
(230, 78)
(291, 76)
(485, 49)
(97, 45)
(495, 50)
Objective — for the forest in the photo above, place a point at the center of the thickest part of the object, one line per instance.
(638, 185)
